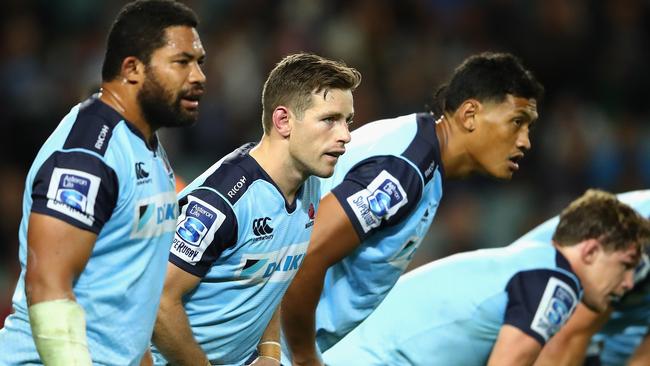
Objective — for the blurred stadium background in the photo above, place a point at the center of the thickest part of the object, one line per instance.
(592, 57)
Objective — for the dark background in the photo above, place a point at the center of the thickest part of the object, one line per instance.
(592, 57)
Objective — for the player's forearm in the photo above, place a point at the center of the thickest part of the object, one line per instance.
(299, 316)
(269, 345)
(564, 351)
(173, 336)
(641, 356)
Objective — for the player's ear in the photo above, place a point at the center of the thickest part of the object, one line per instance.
(466, 114)
(589, 250)
(281, 118)
(132, 70)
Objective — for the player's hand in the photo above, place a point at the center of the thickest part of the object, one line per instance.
(265, 361)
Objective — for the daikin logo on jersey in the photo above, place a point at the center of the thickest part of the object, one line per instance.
(276, 266)
(380, 200)
(197, 224)
(73, 193)
(155, 215)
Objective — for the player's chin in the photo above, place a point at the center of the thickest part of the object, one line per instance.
(503, 173)
(324, 170)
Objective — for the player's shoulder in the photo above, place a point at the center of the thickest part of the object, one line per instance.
(93, 127)
(232, 176)
(410, 138)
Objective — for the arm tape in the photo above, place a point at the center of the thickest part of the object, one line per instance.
(59, 331)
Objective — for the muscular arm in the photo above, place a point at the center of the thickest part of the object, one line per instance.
(57, 254)
(333, 238)
(569, 346)
(172, 333)
(514, 347)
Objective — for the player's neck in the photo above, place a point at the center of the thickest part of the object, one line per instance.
(455, 158)
(122, 97)
(572, 255)
(274, 158)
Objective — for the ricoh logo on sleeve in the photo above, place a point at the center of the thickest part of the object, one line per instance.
(101, 137)
(73, 193)
(239, 185)
(197, 225)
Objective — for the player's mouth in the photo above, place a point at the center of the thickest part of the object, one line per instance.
(513, 161)
(191, 100)
(334, 154)
(613, 298)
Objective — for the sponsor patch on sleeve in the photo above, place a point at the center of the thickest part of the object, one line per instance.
(73, 193)
(554, 309)
(379, 201)
(197, 225)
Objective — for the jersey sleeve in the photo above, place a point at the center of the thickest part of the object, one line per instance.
(540, 302)
(76, 187)
(378, 192)
(206, 226)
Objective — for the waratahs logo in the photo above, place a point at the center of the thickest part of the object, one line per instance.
(198, 220)
(73, 191)
(384, 197)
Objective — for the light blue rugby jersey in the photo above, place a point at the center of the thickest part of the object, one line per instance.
(96, 172)
(630, 321)
(389, 182)
(238, 233)
(449, 312)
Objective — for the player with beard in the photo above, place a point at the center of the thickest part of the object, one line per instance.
(99, 209)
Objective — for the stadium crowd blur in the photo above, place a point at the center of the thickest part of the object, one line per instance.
(592, 57)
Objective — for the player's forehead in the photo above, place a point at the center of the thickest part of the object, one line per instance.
(515, 105)
(630, 255)
(182, 40)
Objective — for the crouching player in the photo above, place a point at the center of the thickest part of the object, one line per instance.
(618, 336)
(500, 306)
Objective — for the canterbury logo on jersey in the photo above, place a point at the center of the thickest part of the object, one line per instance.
(141, 174)
(261, 229)
(277, 266)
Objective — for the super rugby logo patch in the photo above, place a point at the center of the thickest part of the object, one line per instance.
(379, 201)
(557, 304)
(73, 193)
(197, 224)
